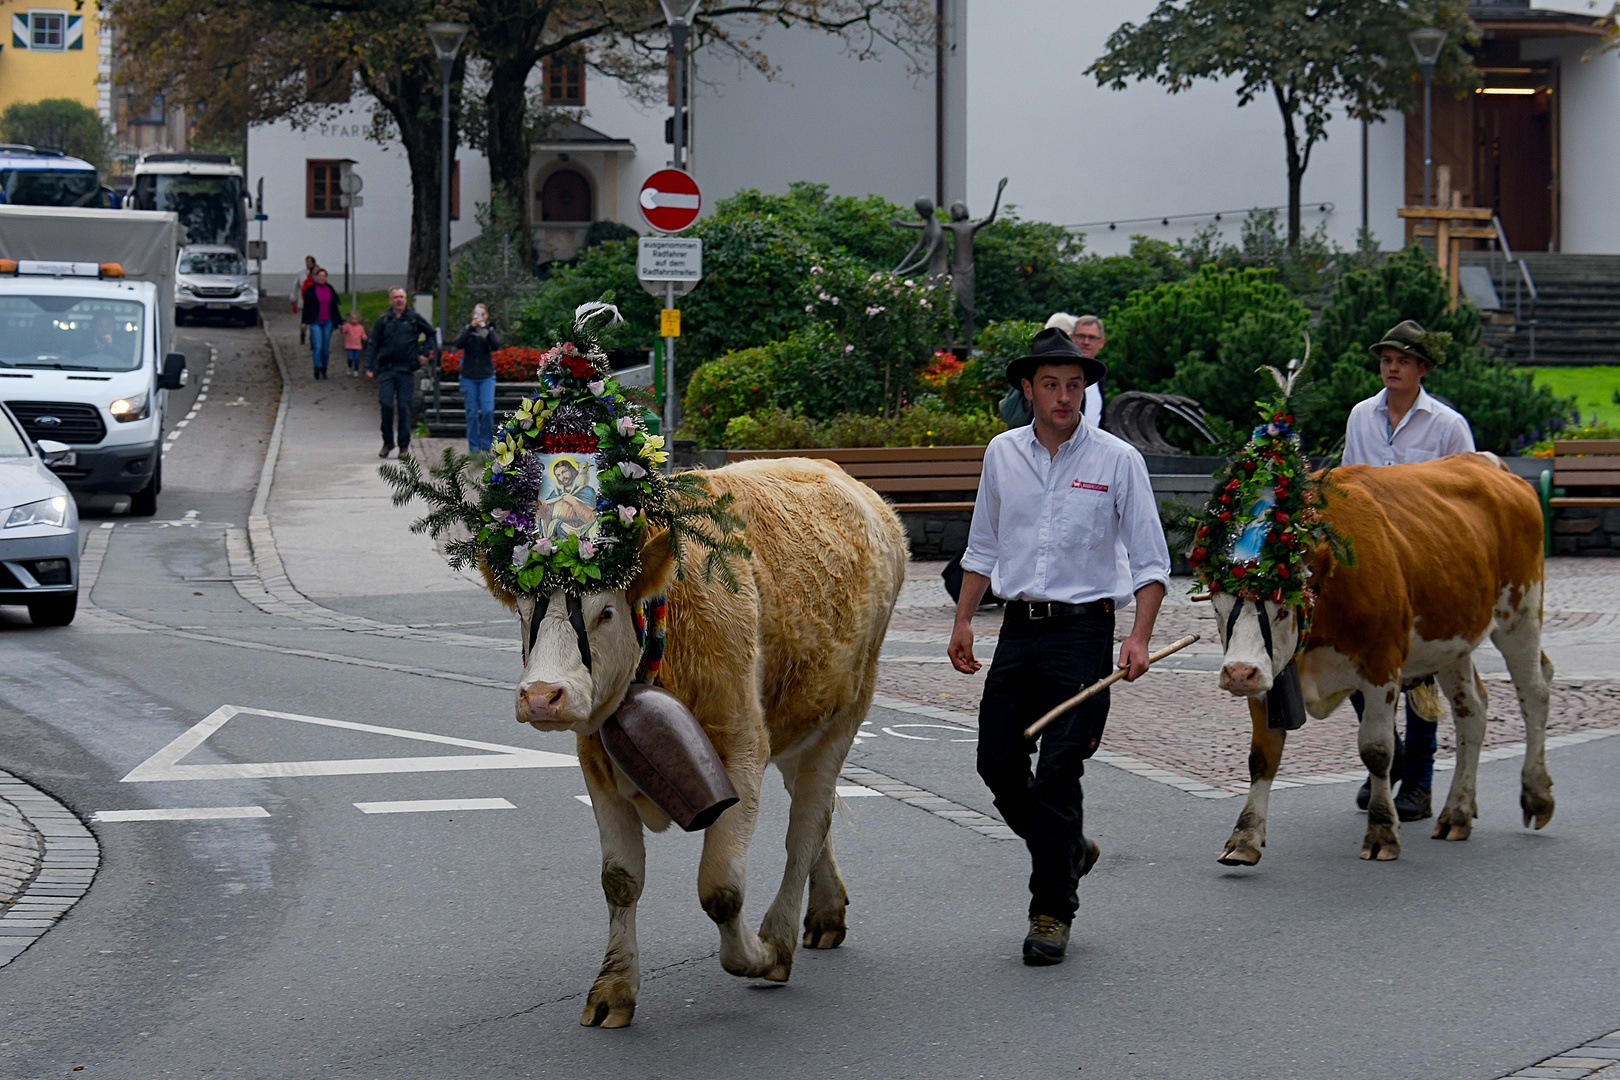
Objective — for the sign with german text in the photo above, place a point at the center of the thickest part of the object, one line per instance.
(668, 258)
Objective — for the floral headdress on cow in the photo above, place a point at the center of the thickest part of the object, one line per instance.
(534, 527)
(1255, 537)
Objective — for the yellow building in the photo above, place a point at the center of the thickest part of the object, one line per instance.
(56, 50)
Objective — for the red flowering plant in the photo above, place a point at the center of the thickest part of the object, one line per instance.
(515, 363)
(1256, 535)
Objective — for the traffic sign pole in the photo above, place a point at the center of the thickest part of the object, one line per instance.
(669, 383)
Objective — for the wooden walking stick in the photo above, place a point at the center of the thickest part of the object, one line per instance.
(1103, 684)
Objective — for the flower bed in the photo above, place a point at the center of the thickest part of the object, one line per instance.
(515, 363)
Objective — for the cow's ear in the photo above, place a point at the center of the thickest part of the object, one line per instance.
(495, 588)
(657, 572)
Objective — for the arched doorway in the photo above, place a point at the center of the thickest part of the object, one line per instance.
(565, 196)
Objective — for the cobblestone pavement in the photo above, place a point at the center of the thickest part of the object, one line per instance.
(47, 861)
(1596, 1060)
(1181, 722)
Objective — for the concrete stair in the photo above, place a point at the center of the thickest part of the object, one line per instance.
(1576, 314)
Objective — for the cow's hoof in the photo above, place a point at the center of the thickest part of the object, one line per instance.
(1382, 843)
(779, 973)
(1240, 855)
(601, 1014)
(1454, 824)
(824, 930)
(1536, 807)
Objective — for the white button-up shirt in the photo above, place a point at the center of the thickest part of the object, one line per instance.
(1430, 429)
(1047, 528)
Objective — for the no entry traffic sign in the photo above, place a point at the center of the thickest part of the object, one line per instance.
(670, 200)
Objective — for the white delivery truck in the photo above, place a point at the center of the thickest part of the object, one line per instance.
(87, 342)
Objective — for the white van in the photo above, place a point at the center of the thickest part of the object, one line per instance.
(82, 363)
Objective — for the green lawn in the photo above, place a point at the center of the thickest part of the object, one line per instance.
(1592, 388)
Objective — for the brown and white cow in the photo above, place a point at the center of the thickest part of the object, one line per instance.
(782, 671)
(1448, 553)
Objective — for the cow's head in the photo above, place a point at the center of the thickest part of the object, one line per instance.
(1258, 638)
(580, 653)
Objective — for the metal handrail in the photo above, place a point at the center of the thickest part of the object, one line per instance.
(1166, 219)
(1524, 271)
(1530, 283)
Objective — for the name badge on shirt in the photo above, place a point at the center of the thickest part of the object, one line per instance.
(1085, 485)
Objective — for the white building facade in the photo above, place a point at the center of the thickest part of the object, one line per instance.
(1017, 104)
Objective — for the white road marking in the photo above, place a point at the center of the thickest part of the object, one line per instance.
(165, 764)
(914, 659)
(925, 738)
(856, 791)
(183, 813)
(420, 806)
(586, 799)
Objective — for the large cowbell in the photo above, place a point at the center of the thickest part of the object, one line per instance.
(656, 741)
(1285, 701)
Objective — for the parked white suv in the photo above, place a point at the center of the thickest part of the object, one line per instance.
(213, 279)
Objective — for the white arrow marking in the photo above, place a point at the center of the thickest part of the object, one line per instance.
(165, 764)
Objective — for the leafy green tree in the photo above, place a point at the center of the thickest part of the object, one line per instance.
(1501, 403)
(1205, 336)
(59, 124)
(1309, 56)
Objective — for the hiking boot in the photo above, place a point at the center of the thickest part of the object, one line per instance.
(1412, 804)
(1364, 796)
(1047, 941)
(1088, 856)
(388, 448)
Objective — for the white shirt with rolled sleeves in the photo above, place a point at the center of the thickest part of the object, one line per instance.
(1048, 528)
(1430, 429)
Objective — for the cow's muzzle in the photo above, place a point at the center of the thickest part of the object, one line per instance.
(544, 705)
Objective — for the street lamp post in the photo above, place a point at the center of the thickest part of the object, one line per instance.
(678, 13)
(1427, 43)
(447, 38)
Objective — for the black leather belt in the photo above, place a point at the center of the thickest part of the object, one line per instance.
(1047, 609)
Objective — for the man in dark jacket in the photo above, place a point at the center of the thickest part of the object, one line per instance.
(399, 345)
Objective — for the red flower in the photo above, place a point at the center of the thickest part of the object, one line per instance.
(1282, 572)
(1277, 418)
(1226, 499)
(1276, 596)
(1198, 554)
(1248, 466)
(1282, 517)
(1232, 484)
(1238, 571)
(1203, 531)
(578, 367)
(1224, 516)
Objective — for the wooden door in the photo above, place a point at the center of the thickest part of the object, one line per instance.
(1513, 141)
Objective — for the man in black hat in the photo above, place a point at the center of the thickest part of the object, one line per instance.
(1055, 498)
(1400, 425)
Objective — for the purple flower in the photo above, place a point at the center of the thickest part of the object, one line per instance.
(627, 514)
(626, 425)
(586, 549)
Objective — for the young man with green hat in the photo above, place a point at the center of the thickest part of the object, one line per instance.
(1057, 497)
(1400, 425)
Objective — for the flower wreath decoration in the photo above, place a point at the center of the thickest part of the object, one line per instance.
(583, 440)
(1256, 535)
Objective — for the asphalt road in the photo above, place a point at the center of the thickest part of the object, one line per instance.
(320, 940)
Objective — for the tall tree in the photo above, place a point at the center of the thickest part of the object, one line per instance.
(59, 124)
(238, 62)
(1309, 55)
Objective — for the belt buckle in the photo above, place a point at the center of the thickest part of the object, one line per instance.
(1047, 606)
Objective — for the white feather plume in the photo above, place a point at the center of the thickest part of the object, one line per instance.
(592, 308)
(1285, 383)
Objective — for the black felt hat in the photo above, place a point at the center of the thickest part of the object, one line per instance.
(1053, 346)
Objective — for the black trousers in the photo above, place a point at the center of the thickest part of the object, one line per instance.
(394, 391)
(1038, 664)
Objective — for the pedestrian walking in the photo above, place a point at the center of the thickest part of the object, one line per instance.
(1400, 425)
(1055, 499)
(478, 343)
(320, 312)
(299, 285)
(400, 343)
(1086, 331)
(354, 341)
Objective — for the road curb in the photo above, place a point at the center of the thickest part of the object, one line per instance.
(67, 861)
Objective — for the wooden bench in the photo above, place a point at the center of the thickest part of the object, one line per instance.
(897, 470)
(1586, 465)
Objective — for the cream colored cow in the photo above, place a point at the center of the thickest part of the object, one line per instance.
(780, 671)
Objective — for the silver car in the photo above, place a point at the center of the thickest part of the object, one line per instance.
(212, 279)
(39, 528)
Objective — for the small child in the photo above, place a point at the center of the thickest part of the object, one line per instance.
(354, 340)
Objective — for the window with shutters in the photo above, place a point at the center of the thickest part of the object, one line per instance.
(47, 30)
(565, 80)
(321, 191)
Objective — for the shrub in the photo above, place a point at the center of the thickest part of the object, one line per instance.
(1501, 404)
(924, 424)
(59, 124)
(1597, 429)
(721, 390)
(884, 328)
(515, 363)
(1205, 336)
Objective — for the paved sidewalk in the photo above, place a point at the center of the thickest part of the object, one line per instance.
(47, 861)
(335, 528)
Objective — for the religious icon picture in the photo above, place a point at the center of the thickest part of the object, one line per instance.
(568, 491)
(1246, 548)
